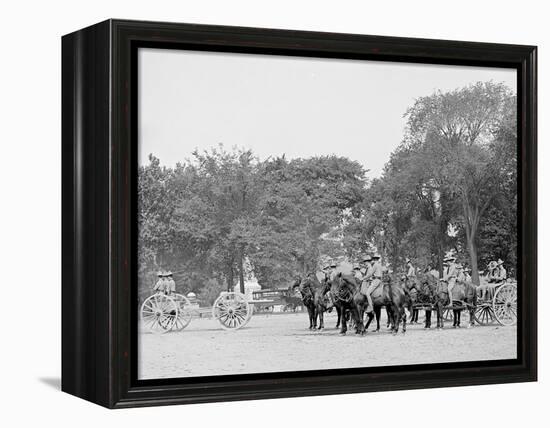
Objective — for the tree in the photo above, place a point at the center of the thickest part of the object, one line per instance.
(458, 130)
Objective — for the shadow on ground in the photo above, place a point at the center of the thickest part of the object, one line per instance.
(52, 382)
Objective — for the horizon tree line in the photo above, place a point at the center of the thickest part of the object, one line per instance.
(450, 184)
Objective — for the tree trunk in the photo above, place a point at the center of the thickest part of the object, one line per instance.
(473, 260)
(230, 277)
(241, 270)
(471, 223)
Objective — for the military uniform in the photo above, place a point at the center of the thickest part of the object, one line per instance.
(500, 272)
(449, 276)
(160, 284)
(411, 271)
(170, 286)
(375, 277)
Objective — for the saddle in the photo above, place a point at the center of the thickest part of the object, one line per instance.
(378, 292)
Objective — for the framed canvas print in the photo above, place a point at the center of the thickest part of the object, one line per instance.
(253, 213)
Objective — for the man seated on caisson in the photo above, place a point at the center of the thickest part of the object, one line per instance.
(500, 272)
(170, 286)
(159, 285)
(165, 283)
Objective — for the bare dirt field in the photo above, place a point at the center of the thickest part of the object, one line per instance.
(274, 343)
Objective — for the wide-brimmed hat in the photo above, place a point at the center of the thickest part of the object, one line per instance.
(168, 273)
(159, 273)
(376, 256)
(500, 262)
(492, 264)
(333, 265)
(367, 258)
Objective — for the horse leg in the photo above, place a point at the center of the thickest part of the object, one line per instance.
(370, 317)
(404, 319)
(428, 321)
(396, 318)
(471, 310)
(339, 313)
(311, 312)
(344, 327)
(439, 311)
(377, 313)
(355, 318)
(321, 317)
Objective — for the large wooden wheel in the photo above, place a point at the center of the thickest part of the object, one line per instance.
(505, 304)
(232, 310)
(484, 314)
(159, 313)
(184, 312)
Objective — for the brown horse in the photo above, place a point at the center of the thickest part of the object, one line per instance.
(343, 289)
(324, 303)
(464, 294)
(393, 295)
(308, 287)
(424, 289)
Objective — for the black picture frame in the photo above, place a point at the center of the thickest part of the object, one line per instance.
(99, 162)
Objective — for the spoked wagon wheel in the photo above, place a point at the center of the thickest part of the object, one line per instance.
(484, 314)
(159, 313)
(232, 310)
(184, 312)
(505, 304)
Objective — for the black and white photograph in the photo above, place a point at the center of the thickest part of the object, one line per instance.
(298, 213)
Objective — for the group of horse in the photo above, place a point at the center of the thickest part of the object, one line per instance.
(396, 294)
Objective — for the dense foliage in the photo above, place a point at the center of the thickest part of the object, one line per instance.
(451, 183)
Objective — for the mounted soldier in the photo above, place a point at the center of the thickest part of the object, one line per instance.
(328, 270)
(411, 270)
(450, 274)
(374, 279)
(460, 274)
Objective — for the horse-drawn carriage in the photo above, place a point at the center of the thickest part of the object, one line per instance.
(161, 313)
(500, 306)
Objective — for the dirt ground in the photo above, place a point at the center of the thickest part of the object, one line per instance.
(282, 342)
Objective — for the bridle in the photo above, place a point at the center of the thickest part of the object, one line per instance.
(344, 292)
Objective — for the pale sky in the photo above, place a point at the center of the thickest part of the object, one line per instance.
(275, 104)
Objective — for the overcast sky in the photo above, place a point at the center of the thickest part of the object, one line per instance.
(273, 105)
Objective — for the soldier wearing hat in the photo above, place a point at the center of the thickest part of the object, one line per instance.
(411, 270)
(500, 272)
(328, 270)
(159, 285)
(170, 286)
(460, 274)
(373, 278)
(467, 276)
(492, 272)
(450, 274)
